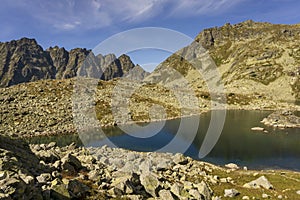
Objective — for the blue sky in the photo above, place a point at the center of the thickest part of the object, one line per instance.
(85, 23)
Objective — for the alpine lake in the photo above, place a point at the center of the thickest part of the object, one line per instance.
(273, 149)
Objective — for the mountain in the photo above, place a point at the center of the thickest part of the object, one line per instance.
(258, 64)
(255, 61)
(25, 60)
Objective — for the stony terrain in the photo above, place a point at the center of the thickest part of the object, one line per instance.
(45, 107)
(46, 171)
(282, 119)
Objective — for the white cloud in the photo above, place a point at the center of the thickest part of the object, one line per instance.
(89, 14)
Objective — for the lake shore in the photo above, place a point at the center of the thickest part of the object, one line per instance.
(48, 171)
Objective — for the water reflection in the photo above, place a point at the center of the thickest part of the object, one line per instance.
(277, 149)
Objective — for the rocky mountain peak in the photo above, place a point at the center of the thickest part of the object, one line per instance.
(24, 60)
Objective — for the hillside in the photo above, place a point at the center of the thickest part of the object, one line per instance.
(255, 60)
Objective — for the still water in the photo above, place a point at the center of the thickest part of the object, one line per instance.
(277, 149)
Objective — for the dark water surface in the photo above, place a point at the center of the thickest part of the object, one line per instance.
(278, 149)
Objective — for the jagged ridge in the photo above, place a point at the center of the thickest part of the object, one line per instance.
(25, 60)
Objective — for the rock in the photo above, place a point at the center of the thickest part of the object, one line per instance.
(77, 189)
(3, 175)
(257, 129)
(280, 197)
(265, 196)
(180, 159)
(204, 190)
(28, 180)
(150, 183)
(195, 194)
(260, 182)
(134, 197)
(162, 164)
(60, 192)
(47, 155)
(231, 192)
(232, 166)
(165, 195)
(282, 119)
(56, 182)
(298, 192)
(123, 185)
(245, 198)
(94, 175)
(176, 188)
(44, 178)
(70, 163)
(57, 164)
(51, 145)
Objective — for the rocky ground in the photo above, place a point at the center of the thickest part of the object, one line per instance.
(45, 107)
(282, 119)
(46, 171)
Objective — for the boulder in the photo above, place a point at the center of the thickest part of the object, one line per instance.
(70, 163)
(150, 183)
(232, 166)
(257, 129)
(204, 190)
(258, 183)
(44, 178)
(165, 195)
(231, 192)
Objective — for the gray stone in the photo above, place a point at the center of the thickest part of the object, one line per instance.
(265, 196)
(204, 190)
(178, 158)
(176, 188)
(122, 185)
(150, 183)
(70, 163)
(258, 183)
(28, 179)
(60, 192)
(195, 194)
(231, 192)
(44, 178)
(77, 189)
(165, 195)
(245, 198)
(232, 166)
(94, 175)
(3, 175)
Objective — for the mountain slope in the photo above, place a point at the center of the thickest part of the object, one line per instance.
(25, 60)
(255, 60)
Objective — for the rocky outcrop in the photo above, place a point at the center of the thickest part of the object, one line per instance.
(137, 73)
(25, 61)
(282, 119)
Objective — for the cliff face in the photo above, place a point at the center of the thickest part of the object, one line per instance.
(254, 59)
(25, 61)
